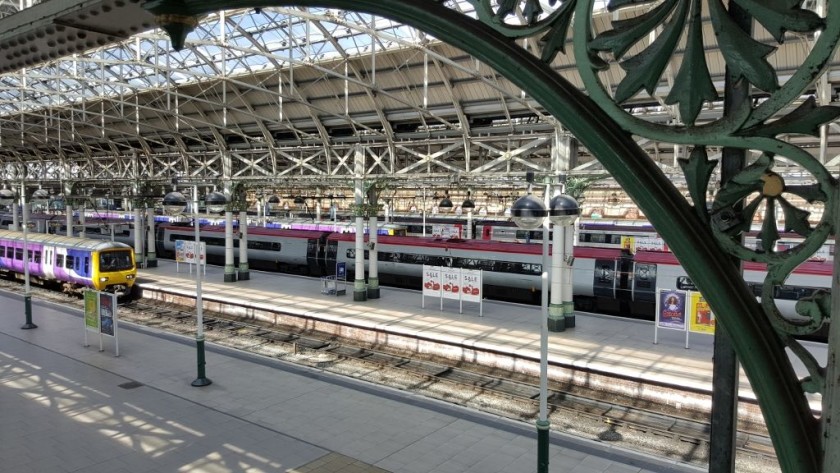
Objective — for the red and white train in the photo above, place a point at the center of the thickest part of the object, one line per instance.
(608, 277)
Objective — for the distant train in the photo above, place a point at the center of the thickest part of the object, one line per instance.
(618, 264)
(74, 263)
(607, 277)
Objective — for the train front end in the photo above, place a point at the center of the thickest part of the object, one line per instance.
(115, 271)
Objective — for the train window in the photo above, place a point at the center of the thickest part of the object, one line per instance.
(263, 245)
(2, 251)
(115, 261)
(59, 261)
(87, 263)
(71, 262)
(36, 256)
(19, 254)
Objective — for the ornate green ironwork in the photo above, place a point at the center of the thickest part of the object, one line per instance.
(702, 238)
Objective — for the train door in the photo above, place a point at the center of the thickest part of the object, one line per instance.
(612, 284)
(314, 256)
(331, 254)
(47, 263)
(604, 284)
(486, 232)
(644, 282)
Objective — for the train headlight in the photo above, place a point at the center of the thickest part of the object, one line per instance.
(103, 279)
(129, 276)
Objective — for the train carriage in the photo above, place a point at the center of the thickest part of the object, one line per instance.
(291, 251)
(76, 263)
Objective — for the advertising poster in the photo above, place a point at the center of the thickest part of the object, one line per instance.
(471, 285)
(628, 243)
(701, 319)
(341, 271)
(451, 282)
(91, 311)
(106, 314)
(670, 310)
(431, 281)
(650, 244)
(180, 256)
(189, 252)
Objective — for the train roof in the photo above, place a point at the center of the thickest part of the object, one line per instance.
(451, 243)
(65, 241)
(255, 231)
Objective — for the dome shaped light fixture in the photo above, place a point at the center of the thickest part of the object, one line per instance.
(563, 210)
(446, 203)
(272, 202)
(174, 203)
(468, 203)
(215, 201)
(40, 198)
(299, 200)
(528, 212)
(7, 197)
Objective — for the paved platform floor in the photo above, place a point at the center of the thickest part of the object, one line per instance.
(65, 407)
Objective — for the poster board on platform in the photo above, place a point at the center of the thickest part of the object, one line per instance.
(463, 285)
(101, 317)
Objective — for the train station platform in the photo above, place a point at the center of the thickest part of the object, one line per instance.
(65, 407)
(614, 346)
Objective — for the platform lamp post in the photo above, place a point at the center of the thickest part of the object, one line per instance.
(174, 204)
(39, 198)
(530, 213)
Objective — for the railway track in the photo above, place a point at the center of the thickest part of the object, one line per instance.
(502, 393)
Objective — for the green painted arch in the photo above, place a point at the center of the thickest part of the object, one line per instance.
(794, 430)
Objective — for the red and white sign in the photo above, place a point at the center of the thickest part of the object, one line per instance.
(431, 281)
(451, 279)
(471, 287)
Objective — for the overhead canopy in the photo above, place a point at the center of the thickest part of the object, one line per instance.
(280, 95)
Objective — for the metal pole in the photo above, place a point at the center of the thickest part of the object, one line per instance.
(543, 424)
(201, 380)
(68, 217)
(27, 296)
(138, 234)
(424, 211)
(244, 273)
(230, 270)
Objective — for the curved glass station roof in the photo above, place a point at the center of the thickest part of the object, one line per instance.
(280, 95)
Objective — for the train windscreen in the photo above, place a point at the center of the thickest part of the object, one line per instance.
(119, 260)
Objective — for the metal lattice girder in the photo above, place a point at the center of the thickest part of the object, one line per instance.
(284, 78)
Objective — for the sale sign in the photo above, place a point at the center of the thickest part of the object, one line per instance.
(431, 281)
(471, 285)
(451, 278)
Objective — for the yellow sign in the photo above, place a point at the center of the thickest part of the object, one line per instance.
(628, 243)
(91, 310)
(701, 319)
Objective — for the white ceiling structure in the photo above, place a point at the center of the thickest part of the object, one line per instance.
(92, 93)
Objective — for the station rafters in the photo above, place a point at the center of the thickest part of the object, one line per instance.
(284, 93)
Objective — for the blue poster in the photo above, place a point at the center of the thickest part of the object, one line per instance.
(671, 309)
(341, 271)
(106, 314)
